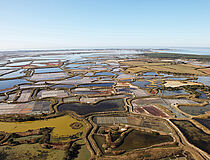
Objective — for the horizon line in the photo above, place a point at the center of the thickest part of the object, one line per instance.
(103, 47)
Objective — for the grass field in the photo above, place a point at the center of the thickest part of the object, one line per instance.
(141, 63)
(137, 69)
(137, 139)
(177, 56)
(83, 153)
(138, 66)
(184, 68)
(30, 151)
(100, 140)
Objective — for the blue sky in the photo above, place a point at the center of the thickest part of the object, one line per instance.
(33, 24)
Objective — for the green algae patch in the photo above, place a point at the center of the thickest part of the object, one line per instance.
(62, 126)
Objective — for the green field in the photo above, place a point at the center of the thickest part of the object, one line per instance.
(30, 151)
(137, 139)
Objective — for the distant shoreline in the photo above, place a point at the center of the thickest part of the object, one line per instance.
(181, 50)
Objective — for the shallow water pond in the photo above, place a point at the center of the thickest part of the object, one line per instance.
(89, 74)
(2, 98)
(203, 95)
(76, 77)
(47, 70)
(10, 83)
(150, 73)
(194, 135)
(18, 63)
(172, 93)
(97, 85)
(147, 77)
(166, 75)
(142, 84)
(40, 65)
(104, 74)
(79, 65)
(103, 106)
(204, 80)
(5, 71)
(195, 110)
(63, 86)
(15, 74)
(176, 78)
(204, 122)
(177, 113)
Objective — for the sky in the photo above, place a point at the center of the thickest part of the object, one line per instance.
(57, 24)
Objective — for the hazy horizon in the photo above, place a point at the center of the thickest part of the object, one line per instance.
(109, 47)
